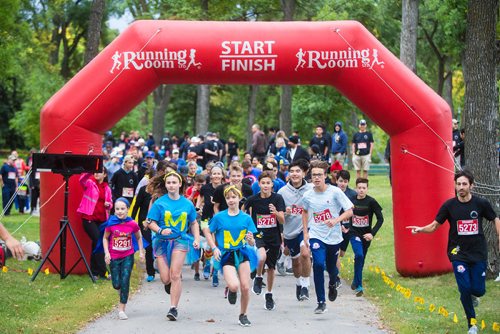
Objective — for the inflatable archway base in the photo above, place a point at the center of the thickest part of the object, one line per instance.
(341, 54)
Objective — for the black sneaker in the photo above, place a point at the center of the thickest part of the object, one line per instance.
(197, 277)
(257, 285)
(332, 292)
(321, 308)
(353, 286)
(475, 301)
(172, 314)
(338, 283)
(168, 287)
(270, 305)
(304, 293)
(243, 321)
(297, 292)
(231, 297)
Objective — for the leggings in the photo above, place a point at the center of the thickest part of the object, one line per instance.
(121, 269)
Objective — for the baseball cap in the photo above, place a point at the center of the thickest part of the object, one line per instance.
(150, 154)
(294, 139)
(191, 155)
(454, 121)
(362, 122)
(195, 139)
(12, 157)
(284, 162)
(336, 166)
(175, 151)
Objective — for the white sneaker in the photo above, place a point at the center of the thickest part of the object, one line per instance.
(498, 278)
(122, 315)
(472, 330)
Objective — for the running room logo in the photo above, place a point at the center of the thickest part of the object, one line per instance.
(165, 59)
(246, 56)
(365, 58)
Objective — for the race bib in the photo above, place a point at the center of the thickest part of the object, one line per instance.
(362, 146)
(322, 216)
(297, 210)
(11, 176)
(21, 192)
(360, 221)
(122, 243)
(128, 192)
(266, 221)
(468, 227)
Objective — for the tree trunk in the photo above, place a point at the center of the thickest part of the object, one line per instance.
(481, 111)
(161, 96)
(202, 108)
(288, 7)
(286, 109)
(448, 90)
(409, 24)
(94, 30)
(252, 107)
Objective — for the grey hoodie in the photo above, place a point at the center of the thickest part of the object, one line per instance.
(293, 196)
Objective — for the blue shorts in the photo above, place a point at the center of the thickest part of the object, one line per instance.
(294, 245)
(160, 246)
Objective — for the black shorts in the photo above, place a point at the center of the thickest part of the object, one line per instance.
(272, 252)
(229, 259)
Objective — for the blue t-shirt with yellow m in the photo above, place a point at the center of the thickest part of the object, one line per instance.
(173, 214)
(230, 231)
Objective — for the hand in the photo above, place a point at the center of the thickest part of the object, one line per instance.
(331, 222)
(142, 257)
(272, 209)
(306, 240)
(370, 158)
(368, 236)
(107, 205)
(166, 231)
(196, 243)
(217, 254)
(250, 239)
(288, 210)
(344, 229)
(15, 247)
(107, 258)
(414, 229)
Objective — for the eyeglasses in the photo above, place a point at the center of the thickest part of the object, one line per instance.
(317, 175)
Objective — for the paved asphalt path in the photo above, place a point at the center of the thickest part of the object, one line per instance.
(203, 310)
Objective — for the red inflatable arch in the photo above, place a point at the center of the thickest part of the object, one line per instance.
(342, 54)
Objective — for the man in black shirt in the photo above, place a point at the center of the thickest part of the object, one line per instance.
(321, 141)
(235, 178)
(467, 249)
(362, 147)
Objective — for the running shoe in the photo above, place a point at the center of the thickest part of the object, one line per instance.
(172, 314)
(353, 286)
(243, 321)
(475, 301)
(215, 279)
(150, 278)
(338, 283)
(270, 305)
(332, 292)
(472, 330)
(206, 271)
(304, 293)
(321, 308)
(297, 292)
(197, 277)
(281, 268)
(168, 287)
(231, 297)
(257, 285)
(289, 271)
(122, 315)
(359, 291)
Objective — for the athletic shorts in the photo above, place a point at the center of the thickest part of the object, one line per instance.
(160, 246)
(230, 258)
(272, 252)
(294, 245)
(361, 162)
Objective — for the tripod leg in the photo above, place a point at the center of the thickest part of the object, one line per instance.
(45, 258)
(81, 253)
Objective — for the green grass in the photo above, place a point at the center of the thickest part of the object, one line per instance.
(50, 304)
(403, 315)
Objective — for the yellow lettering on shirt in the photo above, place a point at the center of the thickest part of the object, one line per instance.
(169, 222)
(229, 241)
